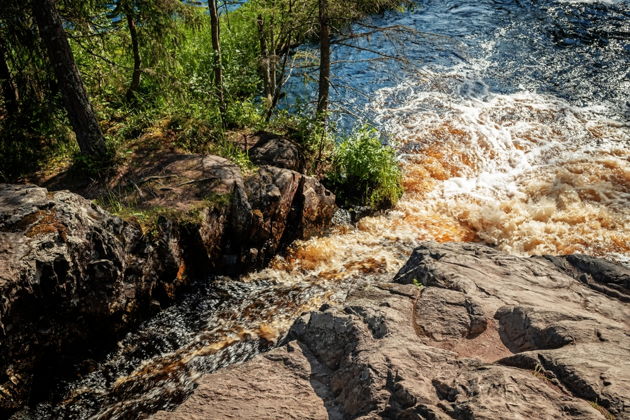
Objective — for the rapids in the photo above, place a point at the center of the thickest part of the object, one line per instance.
(511, 119)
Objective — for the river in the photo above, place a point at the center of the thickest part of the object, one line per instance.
(511, 119)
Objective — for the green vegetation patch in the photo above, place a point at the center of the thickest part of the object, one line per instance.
(365, 172)
(147, 217)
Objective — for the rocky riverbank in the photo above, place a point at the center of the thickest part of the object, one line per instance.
(73, 277)
(463, 331)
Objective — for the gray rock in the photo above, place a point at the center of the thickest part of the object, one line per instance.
(601, 275)
(71, 276)
(274, 150)
(489, 336)
(444, 314)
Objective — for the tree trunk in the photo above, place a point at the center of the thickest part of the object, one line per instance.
(216, 46)
(80, 112)
(135, 78)
(324, 60)
(273, 55)
(9, 92)
(265, 61)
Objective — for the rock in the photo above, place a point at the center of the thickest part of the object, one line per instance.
(272, 192)
(315, 208)
(443, 314)
(295, 392)
(203, 205)
(601, 275)
(71, 278)
(278, 151)
(488, 335)
(229, 223)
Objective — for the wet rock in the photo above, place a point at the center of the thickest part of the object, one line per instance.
(274, 150)
(71, 276)
(489, 335)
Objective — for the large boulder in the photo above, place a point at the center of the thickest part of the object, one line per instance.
(231, 222)
(271, 149)
(71, 277)
(200, 199)
(465, 332)
(286, 206)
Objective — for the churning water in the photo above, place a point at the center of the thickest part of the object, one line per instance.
(511, 119)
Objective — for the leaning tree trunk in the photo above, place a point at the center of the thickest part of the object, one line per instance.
(216, 46)
(80, 112)
(9, 92)
(324, 60)
(135, 78)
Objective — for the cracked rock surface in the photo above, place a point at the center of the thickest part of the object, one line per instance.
(487, 336)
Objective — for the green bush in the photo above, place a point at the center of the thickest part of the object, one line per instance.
(365, 172)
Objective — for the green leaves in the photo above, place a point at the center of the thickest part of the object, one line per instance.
(365, 172)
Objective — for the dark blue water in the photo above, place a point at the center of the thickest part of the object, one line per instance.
(576, 51)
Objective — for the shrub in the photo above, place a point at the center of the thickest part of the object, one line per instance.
(365, 172)
(316, 140)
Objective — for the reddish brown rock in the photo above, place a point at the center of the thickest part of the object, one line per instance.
(294, 390)
(229, 222)
(488, 336)
(73, 277)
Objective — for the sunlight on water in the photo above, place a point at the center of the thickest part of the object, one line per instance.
(527, 173)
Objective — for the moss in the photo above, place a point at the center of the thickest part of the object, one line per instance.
(41, 222)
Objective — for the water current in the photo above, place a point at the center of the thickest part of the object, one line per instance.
(511, 120)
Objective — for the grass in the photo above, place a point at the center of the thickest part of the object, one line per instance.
(147, 217)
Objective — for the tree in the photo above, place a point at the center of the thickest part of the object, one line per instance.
(80, 112)
(279, 27)
(215, 28)
(9, 91)
(267, 62)
(324, 61)
(135, 48)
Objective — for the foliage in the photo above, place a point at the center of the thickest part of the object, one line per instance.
(365, 172)
(417, 283)
(315, 139)
(176, 77)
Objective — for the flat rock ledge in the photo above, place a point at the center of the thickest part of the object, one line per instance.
(485, 336)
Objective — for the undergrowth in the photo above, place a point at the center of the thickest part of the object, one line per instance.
(365, 172)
